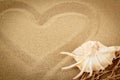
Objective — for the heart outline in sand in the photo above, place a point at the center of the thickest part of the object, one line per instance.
(61, 9)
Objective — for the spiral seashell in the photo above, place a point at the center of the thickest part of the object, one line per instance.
(92, 56)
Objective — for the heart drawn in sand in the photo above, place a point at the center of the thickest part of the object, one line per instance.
(34, 35)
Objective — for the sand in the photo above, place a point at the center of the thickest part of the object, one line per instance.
(34, 32)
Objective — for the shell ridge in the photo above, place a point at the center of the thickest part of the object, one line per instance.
(81, 72)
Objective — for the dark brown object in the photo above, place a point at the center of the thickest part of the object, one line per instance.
(112, 72)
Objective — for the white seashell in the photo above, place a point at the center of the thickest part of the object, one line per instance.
(92, 56)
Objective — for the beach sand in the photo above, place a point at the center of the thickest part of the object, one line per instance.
(34, 32)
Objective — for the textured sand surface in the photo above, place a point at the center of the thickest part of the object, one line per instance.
(34, 32)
